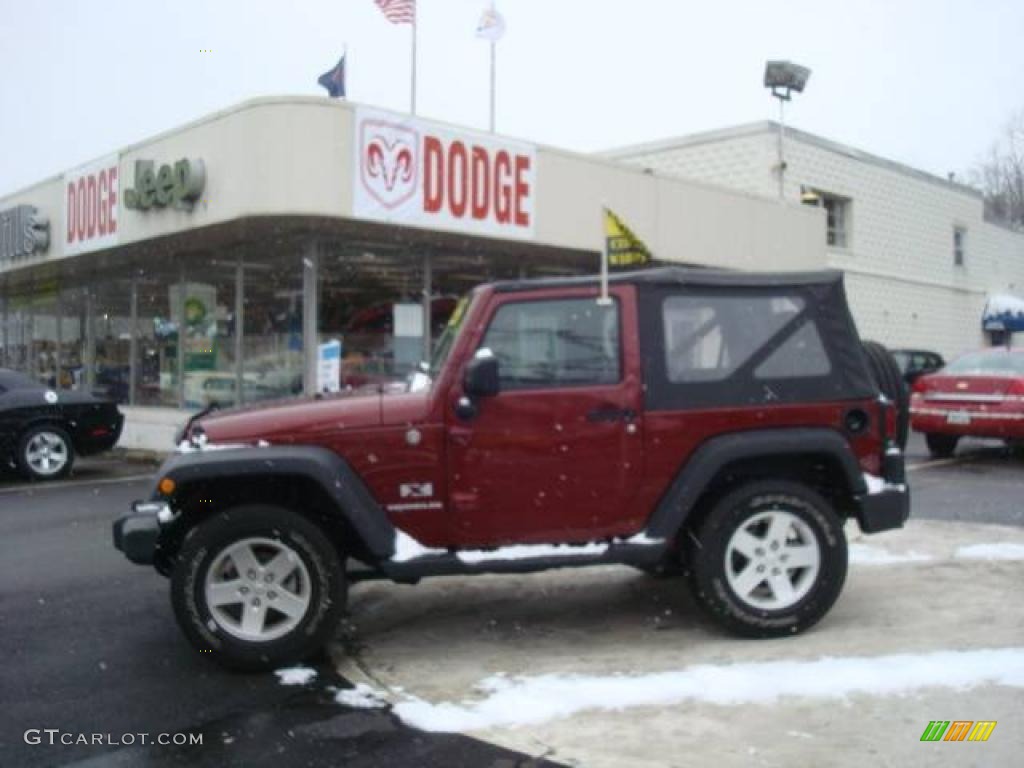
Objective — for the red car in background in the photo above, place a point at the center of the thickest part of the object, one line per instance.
(980, 394)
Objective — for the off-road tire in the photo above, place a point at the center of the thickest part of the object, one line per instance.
(941, 446)
(887, 376)
(322, 562)
(46, 431)
(707, 548)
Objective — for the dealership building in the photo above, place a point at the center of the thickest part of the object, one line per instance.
(295, 244)
(924, 268)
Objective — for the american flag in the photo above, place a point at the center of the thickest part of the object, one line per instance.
(398, 11)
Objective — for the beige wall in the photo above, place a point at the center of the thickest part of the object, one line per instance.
(292, 155)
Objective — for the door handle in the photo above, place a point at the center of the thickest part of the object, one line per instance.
(607, 413)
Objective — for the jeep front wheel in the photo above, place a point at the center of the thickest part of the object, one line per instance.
(258, 586)
(769, 560)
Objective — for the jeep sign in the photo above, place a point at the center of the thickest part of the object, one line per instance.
(178, 186)
(23, 232)
(90, 206)
(410, 171)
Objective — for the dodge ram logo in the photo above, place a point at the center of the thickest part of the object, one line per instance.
(389, 161)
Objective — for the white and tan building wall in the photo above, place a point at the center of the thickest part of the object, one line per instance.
(904, 285)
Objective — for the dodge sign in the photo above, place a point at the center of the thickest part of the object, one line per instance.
(90, 206)
(414, 172)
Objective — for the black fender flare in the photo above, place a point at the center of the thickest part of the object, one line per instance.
(711, 456)
(346, 491)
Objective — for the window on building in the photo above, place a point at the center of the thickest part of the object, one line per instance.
(959, 245)
(555, 343)
(837, 213)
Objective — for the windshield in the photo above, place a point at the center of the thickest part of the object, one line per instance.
(989, 363)
(448, 336)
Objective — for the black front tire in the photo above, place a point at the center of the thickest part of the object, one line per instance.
(56, 436)
(941, 446)
(707, 552)
(201, 548)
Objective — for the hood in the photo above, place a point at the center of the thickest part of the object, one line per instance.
(312, 420)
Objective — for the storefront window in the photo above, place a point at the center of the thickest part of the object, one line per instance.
(272, 337)
(18, 330)
(73, 309)
(112, 329)
(43, 364)
(204, 308)
(372, 303)
(157, 381)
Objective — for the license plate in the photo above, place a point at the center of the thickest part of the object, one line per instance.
(958, 417)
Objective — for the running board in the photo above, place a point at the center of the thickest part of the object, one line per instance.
(483, 561)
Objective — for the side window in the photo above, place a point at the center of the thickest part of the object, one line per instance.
(559, 343)
(802, 354)
(708, 337)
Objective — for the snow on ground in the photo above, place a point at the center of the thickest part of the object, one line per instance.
(512, 702)
(361, 697)
(295, 675)
(863, 554)
(1003, 550)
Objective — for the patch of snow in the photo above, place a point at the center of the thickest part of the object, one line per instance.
(532, 700)
(187, 447)
(642, 539)
(862, 554)
(528, 551)
(877, 485)
(360, 697)
(1003, 550)
(295, 675)
(1003, 304)
(407, 548)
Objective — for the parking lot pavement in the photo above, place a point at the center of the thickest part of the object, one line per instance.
(106, 468)
(981, 483)
(609, 667)
(88, 645)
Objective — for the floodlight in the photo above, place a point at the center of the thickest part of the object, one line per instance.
(785, 76)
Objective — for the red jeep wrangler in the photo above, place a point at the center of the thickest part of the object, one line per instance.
(720, 425)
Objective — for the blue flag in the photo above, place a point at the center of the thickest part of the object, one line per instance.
(334, 80)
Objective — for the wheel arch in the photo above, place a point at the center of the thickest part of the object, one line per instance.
(820, 458)
(313, 482)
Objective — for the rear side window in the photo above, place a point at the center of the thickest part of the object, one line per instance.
(560, 343)
(709, 337)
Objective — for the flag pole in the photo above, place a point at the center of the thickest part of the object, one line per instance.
(493, 60)
(415, 19)
(603, 299)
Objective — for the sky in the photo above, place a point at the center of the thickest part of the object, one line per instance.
(930, 84)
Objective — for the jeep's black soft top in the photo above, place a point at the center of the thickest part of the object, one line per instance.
(680, 275)
(713, 338)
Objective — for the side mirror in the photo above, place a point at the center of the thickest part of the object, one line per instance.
(482, 379)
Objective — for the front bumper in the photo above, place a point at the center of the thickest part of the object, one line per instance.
(890, 507)
(137, 534)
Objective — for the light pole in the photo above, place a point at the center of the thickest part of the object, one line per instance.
(783, 78)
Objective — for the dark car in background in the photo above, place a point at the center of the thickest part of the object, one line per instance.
(915, 363)
(43, 429)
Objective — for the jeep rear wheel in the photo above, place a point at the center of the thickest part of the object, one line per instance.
(258, 586)
(769, 560)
